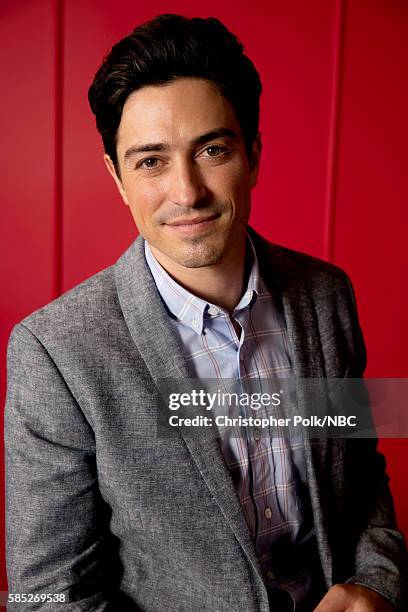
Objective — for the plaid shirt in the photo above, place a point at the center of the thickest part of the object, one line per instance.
(269, 474)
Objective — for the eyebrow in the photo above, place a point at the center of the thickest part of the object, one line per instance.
(199, 140)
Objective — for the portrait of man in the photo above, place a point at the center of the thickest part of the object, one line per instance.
(101, 511)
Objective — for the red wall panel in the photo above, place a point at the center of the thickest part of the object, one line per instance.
(334, 129)
(28, 265)
(371, 216)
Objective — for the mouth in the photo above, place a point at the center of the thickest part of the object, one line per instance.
(192, 226)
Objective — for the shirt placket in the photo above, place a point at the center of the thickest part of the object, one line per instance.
(261, 463)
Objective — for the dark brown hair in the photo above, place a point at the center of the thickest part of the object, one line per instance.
(170, 47)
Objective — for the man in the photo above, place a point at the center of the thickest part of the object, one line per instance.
(104, 513)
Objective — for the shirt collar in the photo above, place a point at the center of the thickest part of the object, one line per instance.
(189, 308)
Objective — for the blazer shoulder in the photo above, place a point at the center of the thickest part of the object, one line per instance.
(81, 309)
(298, 267)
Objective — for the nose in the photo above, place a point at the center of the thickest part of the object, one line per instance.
(186, 183)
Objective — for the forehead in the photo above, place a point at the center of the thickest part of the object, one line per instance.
(175, 112)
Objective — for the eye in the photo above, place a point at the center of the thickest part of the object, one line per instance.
(215, 150)
(149, 163)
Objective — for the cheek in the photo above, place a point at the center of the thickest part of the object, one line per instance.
(237, 187)
(144, 200)
(236, 177)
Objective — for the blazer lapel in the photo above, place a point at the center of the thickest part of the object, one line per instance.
(303, 338)
(148, 323)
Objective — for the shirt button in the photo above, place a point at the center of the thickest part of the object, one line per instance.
(213, 310)
(195, 322)
(257, 434)
(268, 513)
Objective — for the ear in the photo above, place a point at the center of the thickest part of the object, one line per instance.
(111, 169)
(255, 159)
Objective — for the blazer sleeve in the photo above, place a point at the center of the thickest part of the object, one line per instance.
(57, 536)
(381, 559)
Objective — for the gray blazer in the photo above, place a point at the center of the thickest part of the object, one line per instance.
(101, 509)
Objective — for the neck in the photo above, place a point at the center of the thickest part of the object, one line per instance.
(221, 284)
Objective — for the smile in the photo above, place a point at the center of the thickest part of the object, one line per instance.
(192, 226)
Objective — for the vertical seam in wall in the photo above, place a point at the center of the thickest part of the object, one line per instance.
(334, 129)
(58, 147)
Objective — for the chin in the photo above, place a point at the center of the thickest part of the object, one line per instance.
(199, 255)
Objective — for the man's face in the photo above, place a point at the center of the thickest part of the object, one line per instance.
(184, 171)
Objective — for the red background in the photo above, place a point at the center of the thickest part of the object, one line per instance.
(335, 133)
